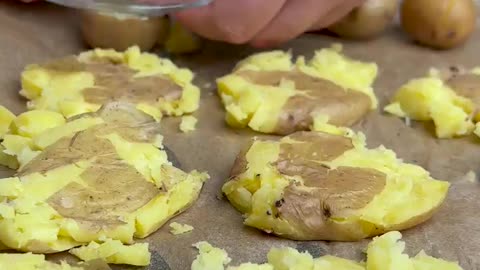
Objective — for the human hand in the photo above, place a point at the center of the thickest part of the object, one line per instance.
(263, 23)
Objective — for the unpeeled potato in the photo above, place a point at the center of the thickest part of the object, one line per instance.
(440, 24)
(328, 185)
(119, 32)
(366, 21)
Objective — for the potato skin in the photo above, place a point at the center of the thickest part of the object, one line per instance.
(441, 24)
(366, 21)
(113, 32)
(333, 196)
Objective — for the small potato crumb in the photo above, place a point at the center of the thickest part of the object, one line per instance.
(385, 252)
(210, 257)
(188, 123)
(177, 228)
(114, 252)
(470, 177)
(6, 118)
(476, 131)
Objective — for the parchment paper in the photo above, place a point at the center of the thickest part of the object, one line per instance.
(33, 33)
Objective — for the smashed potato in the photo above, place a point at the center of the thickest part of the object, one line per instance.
(114, 252)
(383, 253)
(451, 99)
(323, 186)
(30, 261)
(63, 196)
(80, 84)
(269, 93)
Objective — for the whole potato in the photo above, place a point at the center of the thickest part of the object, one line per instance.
(119, 32)
(440, 24)
(366, 21)
(180, 40)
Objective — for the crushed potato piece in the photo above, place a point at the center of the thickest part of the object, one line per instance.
(335, 263)
(290, 259)
(31, 123)
(188, 123)
(80, 84)
(210, 258)
(424, 262)
(477, 129)
(177, 228)
(271, 179)
(449, 99)
(384, 253)
(270, 93)
(62, 196)
(6, 117)
(471, 177)
(8, 160)
(114, 252)
(29, 261)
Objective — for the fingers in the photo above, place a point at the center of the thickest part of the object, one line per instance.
(233, 21)
(336, 14)
(294, 18)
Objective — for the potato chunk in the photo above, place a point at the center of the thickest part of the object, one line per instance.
(270, 93)
(324, 186)
(114, 252)
(28, 261)
(384, 253)
(6, 117)
(188, 123)
(80, 84)
(177, 228)
(210, 258)
(450, 99)
(99, 175)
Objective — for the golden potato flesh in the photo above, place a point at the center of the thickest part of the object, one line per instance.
(114, 252)
(119, 31)
(387, 253)
(366, 21)
(270, 94)
(451, 100)
(441, 24)
(79, 84)
(321, 186)
(6, 118)
(99, 176)
(383, 253)
(29, 261)
(210, 257)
